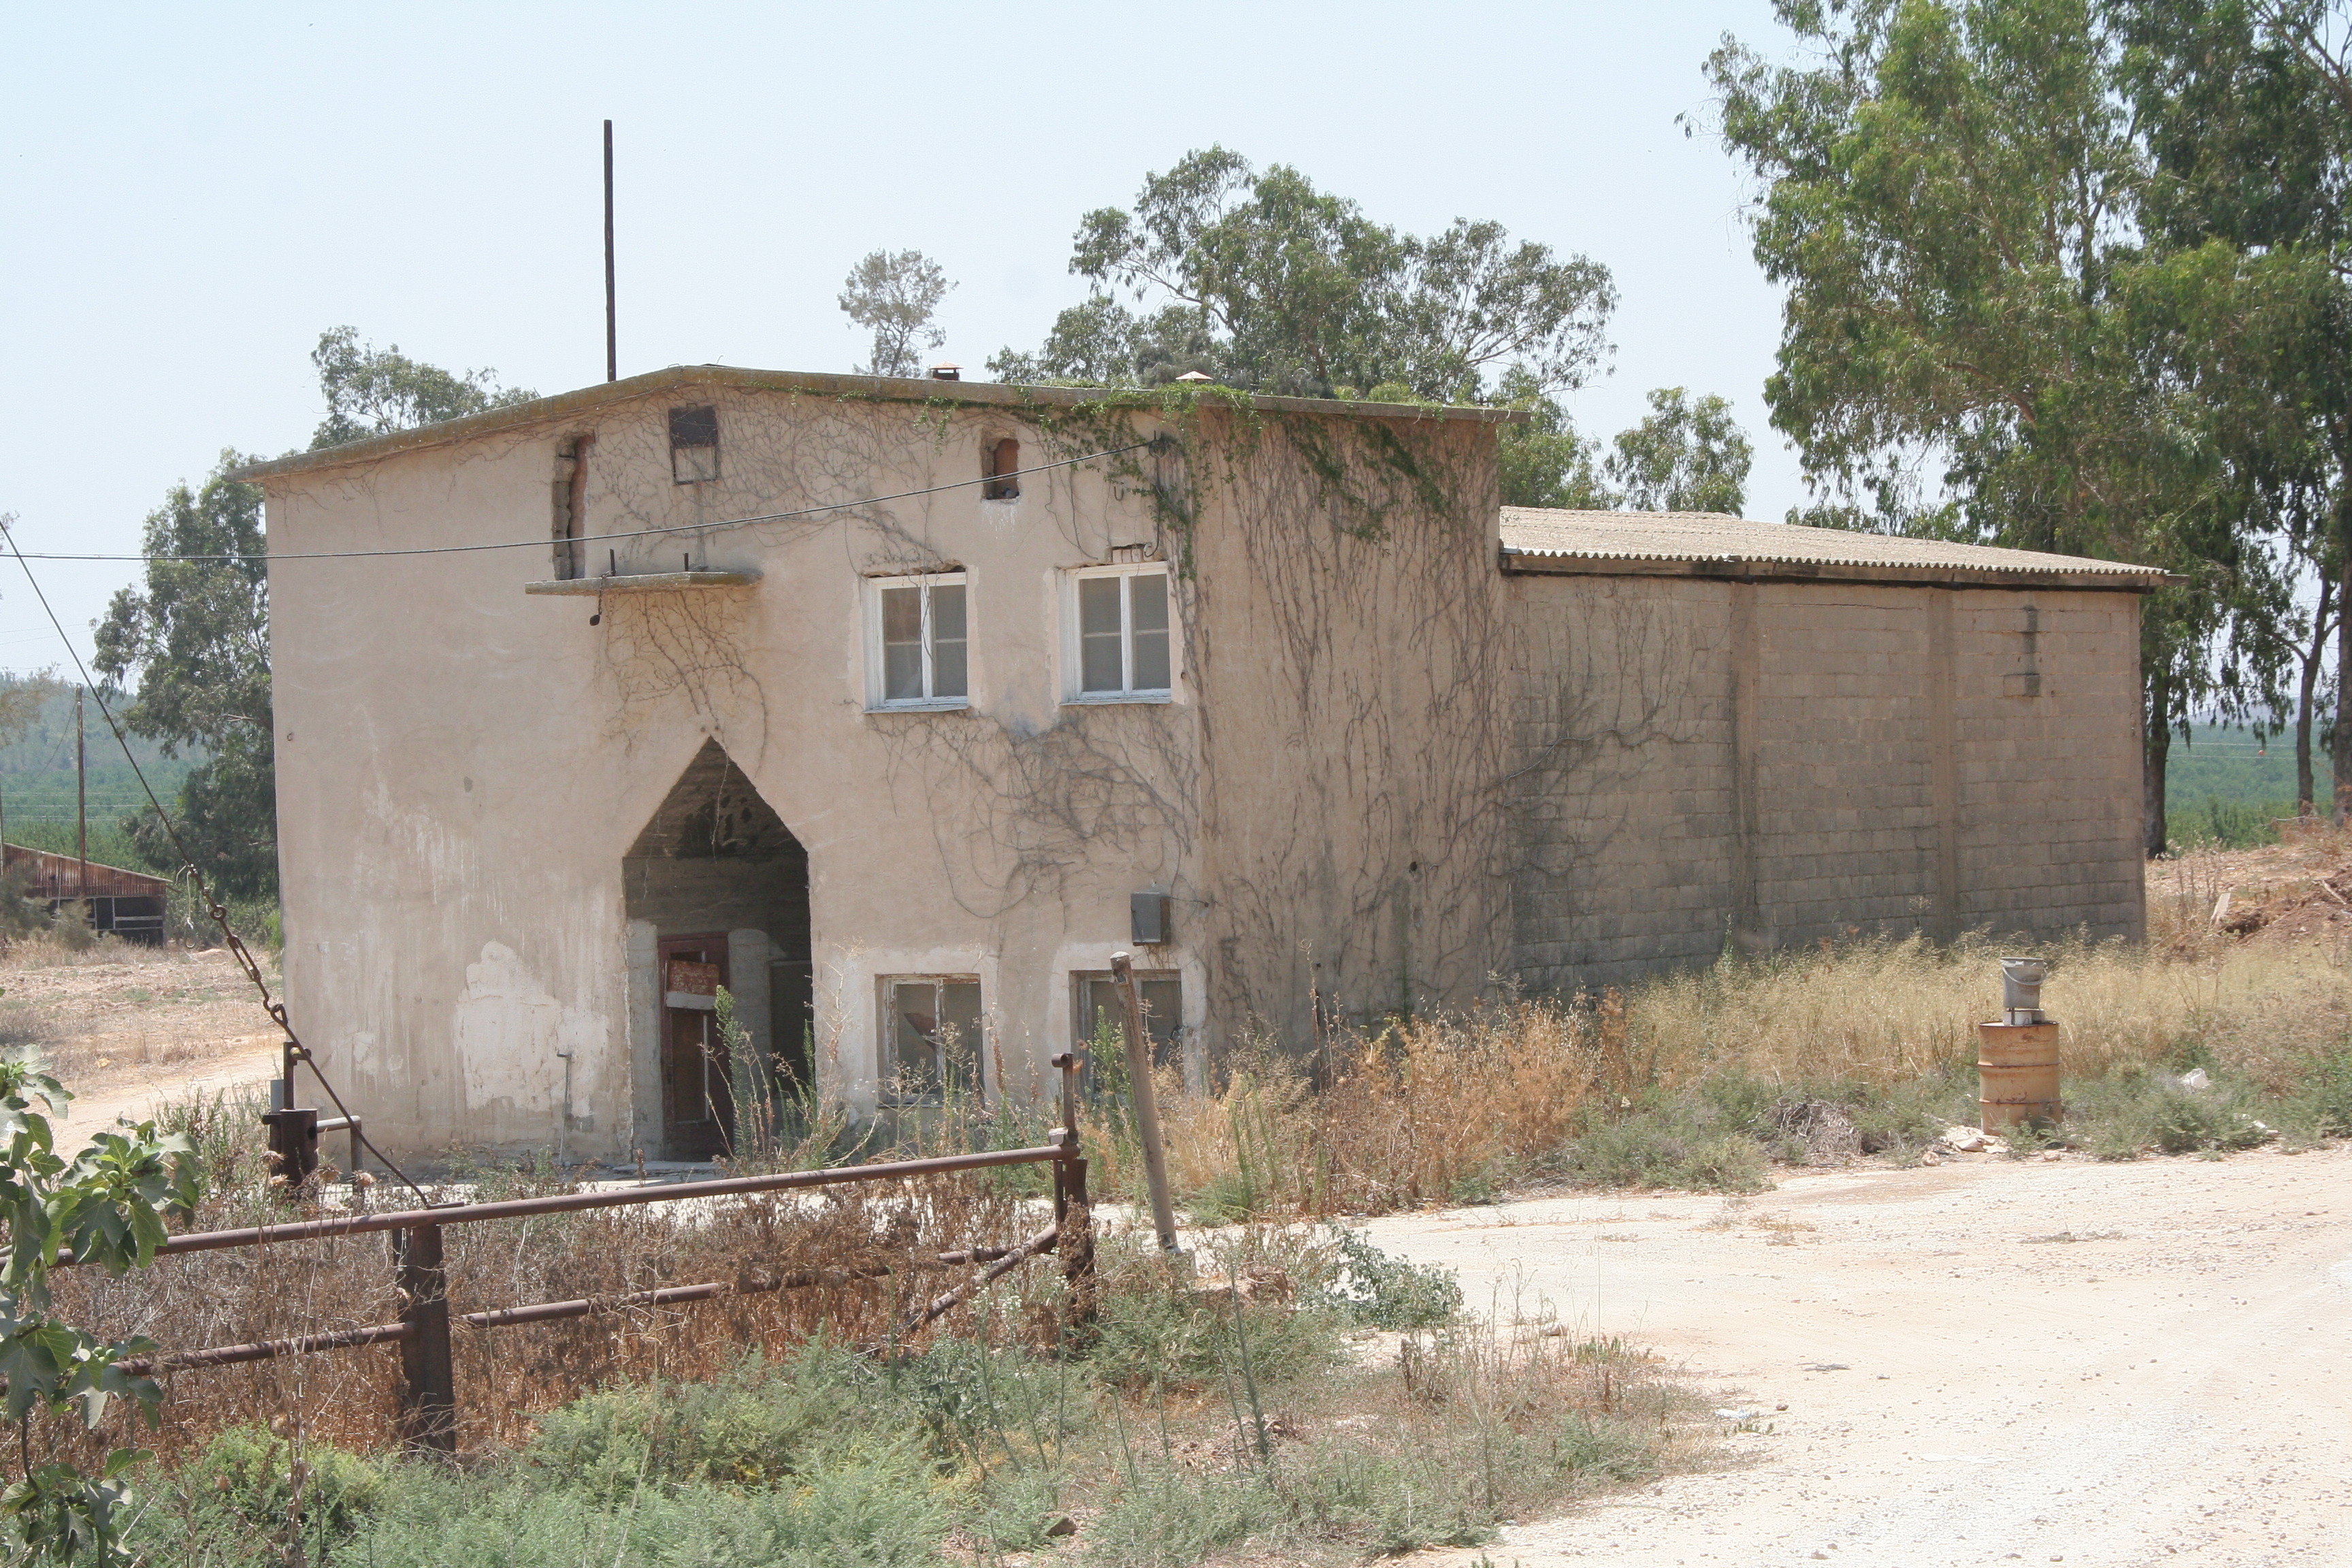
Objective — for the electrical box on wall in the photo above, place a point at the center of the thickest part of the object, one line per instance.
(1148, 918)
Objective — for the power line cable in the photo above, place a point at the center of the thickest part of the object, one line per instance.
(592, 538)
(296, 1050)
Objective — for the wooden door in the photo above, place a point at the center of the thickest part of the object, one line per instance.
(698, 1111)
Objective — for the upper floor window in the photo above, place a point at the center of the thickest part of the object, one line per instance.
(1000, 462)
(1119, 640)
(693, 445)
(916, 650)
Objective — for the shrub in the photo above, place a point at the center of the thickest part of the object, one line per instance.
(1155, 1327)
(251, 1474)
(755, 1425)
(1385, 1292)
(1669, 1141)
(2130, 1112)
(2321, 1106)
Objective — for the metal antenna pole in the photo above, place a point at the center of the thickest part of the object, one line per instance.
(611, 325)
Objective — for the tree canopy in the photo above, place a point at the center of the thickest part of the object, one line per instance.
(896, 299)
(371, 391)
(2001, 324)
(195, 639)
(1265, 282)
(1687, 456)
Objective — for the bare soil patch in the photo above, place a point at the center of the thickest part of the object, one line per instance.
(2298, 889)
(1983, 1362)
(128, 1028)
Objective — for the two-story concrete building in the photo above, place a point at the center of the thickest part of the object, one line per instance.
(896, 707)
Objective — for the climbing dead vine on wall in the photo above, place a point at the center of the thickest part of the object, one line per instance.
(1337, 774)
(1609, 691)
(1120, 779)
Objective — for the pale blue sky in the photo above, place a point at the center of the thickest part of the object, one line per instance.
(196, 193)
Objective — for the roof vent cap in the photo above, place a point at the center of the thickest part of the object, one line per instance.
(947, 369)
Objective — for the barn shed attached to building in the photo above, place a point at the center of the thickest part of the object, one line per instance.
(1742, 733)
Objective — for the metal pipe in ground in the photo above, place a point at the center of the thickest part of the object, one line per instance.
(1147, 1103)
(428, 1377)
(2017, 1053)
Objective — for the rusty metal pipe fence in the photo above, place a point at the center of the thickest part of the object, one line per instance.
(428, 1402)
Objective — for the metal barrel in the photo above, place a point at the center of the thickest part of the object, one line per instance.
(2017, 1074)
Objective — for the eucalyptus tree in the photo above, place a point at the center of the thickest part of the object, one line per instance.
(895, 298)
(1263, 281)
(195, 638)
(1546, 461)
(1953, 195)
(2246, 106)
(1686, 455)
(371, 391)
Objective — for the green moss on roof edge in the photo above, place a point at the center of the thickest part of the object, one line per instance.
(569, 405)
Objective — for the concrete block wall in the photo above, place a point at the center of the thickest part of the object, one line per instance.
(2051, 782)
(1620, 783)
(1699, 764)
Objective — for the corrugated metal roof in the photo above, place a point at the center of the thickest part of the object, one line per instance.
(53, 872)
(1717, 541)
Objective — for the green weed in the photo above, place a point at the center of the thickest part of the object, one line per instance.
(1385, 1292)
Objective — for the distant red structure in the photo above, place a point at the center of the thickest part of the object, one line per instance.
(128, 903)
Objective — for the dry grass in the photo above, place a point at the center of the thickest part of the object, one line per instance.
(1881, 1013)
(1450, 1110)
(1427, 1110)
(1198, 1428)
(507, 1376)
(63, 947)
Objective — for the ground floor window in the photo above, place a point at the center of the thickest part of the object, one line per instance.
(1100, 1017)
(931, 1034)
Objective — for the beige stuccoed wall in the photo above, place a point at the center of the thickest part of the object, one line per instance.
(1701, 762)
(1355, 685)
(462, 766)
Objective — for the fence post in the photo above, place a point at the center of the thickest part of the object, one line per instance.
(1147, 1103)
(1072, 1213)
(293, 1144)
(428, 1378)
(1076, 1245)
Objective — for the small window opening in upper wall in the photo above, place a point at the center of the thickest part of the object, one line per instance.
(570, 504)
(1001, 464)
(693, 445)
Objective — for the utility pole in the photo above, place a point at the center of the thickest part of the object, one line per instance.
(81, 807)
(612, 328)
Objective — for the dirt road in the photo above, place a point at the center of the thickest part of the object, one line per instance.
(2171, 1385)
(245, 1068)
(127, 1028)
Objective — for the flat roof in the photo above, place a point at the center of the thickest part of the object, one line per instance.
(1716, 545)
(679, 378)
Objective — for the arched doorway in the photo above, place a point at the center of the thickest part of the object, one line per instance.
(724, 885)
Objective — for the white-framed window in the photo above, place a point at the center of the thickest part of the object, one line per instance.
(917, 648)
(1118, 639)
(931, 1032)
